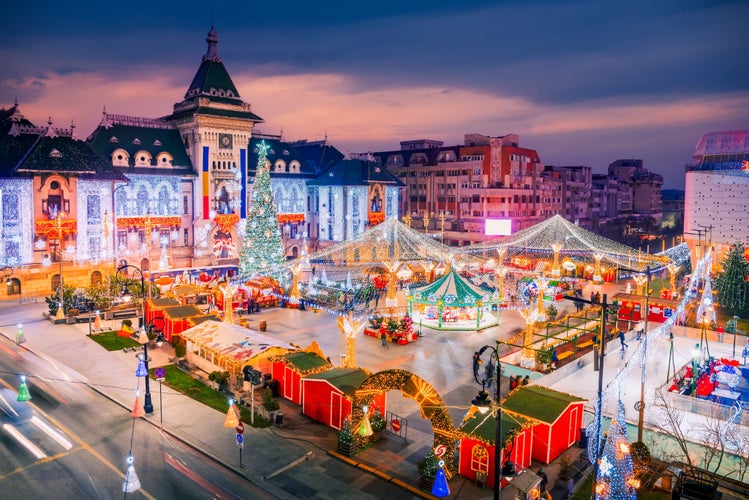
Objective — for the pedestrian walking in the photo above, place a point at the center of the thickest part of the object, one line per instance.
(513, 382)
(544, 479)
(526, 380)
(570, 487)
(621, 339)
(384, 338)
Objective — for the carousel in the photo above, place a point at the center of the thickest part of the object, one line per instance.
(454, 303)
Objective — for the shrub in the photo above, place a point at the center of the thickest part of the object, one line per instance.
(429, 466)
(552, 312)
(346, 434)
(180, 349)
(377, 421)
(220, 377)
(269, 402)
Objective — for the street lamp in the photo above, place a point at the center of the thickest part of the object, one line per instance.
(144, 340)
(695, 356)
(492, 374)
(143, 337)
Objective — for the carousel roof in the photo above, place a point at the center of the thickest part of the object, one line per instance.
(384, 243)
(578, 244)
(453, 289)
(232, 341)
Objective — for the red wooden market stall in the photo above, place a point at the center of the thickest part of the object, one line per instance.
(557, 418)
(631, 306)
(292, 367)
(477, 438)
(327, 396)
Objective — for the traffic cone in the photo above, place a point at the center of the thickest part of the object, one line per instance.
(138, 410)
(97, 324)
(440, 488)
(232, 420)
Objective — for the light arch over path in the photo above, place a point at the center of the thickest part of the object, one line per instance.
(430, 403)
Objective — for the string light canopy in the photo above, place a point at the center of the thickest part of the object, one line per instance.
(577, 244)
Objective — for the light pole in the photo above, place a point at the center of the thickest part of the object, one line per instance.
(143, 337)
(144, 340)
(695, 354)
(492, 374)
(735, 327)
(60, 309)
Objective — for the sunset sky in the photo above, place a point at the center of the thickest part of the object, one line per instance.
(582, 82)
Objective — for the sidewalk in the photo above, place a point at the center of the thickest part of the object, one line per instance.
(289, 462)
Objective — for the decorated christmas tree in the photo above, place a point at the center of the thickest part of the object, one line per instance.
(615, 471)
(731, 284)
(262, 249)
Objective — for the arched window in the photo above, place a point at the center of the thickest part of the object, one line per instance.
(479, 459)
(142, 159)
(143, 198)
(120, 158)
(95, 278)
(14, 286)
(164, 159)
(144, 265)
(163, 208)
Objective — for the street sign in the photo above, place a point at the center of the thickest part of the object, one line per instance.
(240, 428)
(240, 440)
(159, 373)
(396, 425)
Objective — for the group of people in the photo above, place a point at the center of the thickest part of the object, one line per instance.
(519, 380)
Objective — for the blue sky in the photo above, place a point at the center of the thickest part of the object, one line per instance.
(582, 82)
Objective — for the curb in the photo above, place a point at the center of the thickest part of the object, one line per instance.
(386, 477)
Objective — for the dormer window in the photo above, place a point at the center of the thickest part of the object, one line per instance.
(114, 140)
(157, 142)
(164, 160)
(142, 159)
(294, 166)
(55, 154)
(280, 166)
(136, 141)
(120, 158)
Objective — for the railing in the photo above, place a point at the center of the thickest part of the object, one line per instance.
(706, 408)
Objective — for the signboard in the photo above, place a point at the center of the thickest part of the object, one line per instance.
(240, 440)
(159, 373)
(498, 227)
(396, 425)
(240, 428)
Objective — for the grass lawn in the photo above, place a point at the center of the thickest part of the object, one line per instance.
(197, 390)
(113, 342)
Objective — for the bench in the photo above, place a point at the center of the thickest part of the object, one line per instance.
(585, 344)
(122, 314)
(564, 355)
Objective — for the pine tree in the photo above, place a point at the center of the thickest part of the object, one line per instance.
(731, 283)
(262, 249)
(615, 470)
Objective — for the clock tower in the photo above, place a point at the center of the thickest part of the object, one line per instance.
(216, 125)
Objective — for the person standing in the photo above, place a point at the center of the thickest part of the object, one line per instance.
(384, 339)
(544, 479)
(621, 339)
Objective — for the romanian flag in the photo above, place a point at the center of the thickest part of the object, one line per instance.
(745, 165)
(125, 331)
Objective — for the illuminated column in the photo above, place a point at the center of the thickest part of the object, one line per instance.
(556, 270)
(350, 328)
(407, 220)
(672, 270)
(391, 301)
(228, 290)
(528, 356)
(597, 278)
(542, 284)
(428, 268)
(641, 282)
(426, 222)
(294, 293)
(60, 310)
(500, 273)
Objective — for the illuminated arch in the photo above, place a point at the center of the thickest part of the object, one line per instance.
(430, 403)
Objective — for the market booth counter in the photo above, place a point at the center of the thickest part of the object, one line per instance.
(631, 307)
(219, 346)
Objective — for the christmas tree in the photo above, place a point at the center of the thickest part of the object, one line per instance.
(732, 284)
(615, 471)
(262, 249)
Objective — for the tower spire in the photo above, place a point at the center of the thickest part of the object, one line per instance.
(212, 53)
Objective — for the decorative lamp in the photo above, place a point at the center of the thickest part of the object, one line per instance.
(481, 401)
(131, 483)
(141, 371)
(232, 420)
(20, 339)
(138, 410)
(142, 336)
(440, 489)
(23, 390)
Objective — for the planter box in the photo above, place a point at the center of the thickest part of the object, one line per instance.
(376, 436)
(348, 449)
(426, 483)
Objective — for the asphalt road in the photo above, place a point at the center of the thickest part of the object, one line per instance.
(77, 442)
